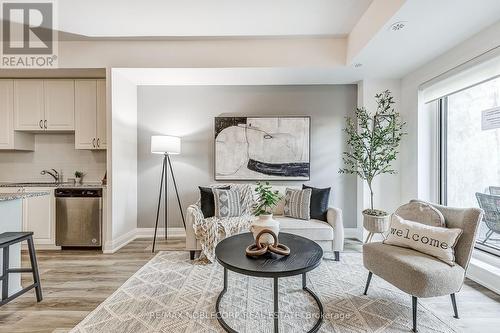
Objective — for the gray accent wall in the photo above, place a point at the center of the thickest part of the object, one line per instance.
(189, 111)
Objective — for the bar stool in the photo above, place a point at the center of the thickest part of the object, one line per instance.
(6, 240)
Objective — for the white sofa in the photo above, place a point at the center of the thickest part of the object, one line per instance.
(329, 235)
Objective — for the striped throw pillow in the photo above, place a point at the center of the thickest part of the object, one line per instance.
(227, 203)
(297, 203)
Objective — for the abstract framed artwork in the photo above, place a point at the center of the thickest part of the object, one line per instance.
(262, 148)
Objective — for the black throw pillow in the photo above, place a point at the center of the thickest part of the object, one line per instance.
(207, 202)
(319, 202)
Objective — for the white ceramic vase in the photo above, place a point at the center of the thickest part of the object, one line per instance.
(265, 221)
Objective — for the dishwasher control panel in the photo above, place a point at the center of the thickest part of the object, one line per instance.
(78, 193)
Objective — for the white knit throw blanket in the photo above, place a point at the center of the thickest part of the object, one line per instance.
(209, 231)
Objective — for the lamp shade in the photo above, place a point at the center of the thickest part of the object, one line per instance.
(165, 144)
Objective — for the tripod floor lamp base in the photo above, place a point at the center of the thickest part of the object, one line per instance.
(166, 145)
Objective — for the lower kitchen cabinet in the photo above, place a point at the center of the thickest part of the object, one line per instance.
(38, 215)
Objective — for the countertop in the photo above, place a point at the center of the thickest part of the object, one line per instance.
(55, 185)
(21, 195)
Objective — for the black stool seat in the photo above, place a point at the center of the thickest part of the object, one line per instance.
(6, 240)
(9, 238)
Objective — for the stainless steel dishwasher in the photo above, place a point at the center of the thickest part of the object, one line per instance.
(78, 217)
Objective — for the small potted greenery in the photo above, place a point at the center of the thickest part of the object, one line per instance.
(267, 199)
(79, 176)
(373, 141)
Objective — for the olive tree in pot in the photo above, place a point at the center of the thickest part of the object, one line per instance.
(373, 141)
(267, 199)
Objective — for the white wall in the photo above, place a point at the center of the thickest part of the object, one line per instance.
(417, 160)
(52, 151)
(189, 111)
(123, 177)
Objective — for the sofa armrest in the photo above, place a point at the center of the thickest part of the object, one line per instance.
(193, 214)
(334, 218)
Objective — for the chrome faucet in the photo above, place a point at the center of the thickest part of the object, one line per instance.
(53, 173)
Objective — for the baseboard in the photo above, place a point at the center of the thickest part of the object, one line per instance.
(353, 233)
(44, 247)
(120, 242)
(149, 232)
(123, 240)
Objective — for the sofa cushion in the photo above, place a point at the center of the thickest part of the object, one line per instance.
(312, 229)
(297, 203)
(207, 203)
(413, 272)
(227, 203)
(279, 209)
(319, 202)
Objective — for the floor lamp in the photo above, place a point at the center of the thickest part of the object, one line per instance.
(166, 145)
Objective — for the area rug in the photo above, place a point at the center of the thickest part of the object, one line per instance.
(173, 294)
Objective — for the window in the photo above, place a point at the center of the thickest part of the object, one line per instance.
(470, 156)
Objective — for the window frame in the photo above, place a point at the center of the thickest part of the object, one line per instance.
(443, 170)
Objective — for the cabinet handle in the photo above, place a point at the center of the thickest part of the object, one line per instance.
(98, 144)
(45, 124)
(40, 124)
(93, 142)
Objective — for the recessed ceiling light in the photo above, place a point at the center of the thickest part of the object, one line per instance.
(398, 26)
(357, 65)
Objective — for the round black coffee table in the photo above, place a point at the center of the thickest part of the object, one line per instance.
(305, 255)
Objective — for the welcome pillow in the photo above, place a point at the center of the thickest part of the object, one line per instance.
(435, 241)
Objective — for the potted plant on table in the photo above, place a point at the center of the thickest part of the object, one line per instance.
(267, 199)
(373, 141)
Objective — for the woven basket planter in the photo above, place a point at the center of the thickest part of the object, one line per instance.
(376, 224)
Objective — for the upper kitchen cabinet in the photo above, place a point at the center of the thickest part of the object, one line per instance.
(10, 139)
(90, 114)
(59, 105)
(101, 114)
(44, 105)
(29, 113)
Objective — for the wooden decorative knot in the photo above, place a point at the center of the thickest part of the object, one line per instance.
(259, 249)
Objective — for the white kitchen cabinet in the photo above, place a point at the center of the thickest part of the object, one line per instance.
(85, 114)
(10, 139)
(101, 114)
(44, 105)
(90, 114)
(39, 216)
(59, 105)
(29, 114)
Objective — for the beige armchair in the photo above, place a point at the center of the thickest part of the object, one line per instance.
(421, 275)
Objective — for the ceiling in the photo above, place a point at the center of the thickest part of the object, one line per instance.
(355, 30)
(203, 18)
(432, 28)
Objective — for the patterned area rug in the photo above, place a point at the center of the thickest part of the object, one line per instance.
(172, 294)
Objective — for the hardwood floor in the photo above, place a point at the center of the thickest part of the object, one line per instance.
(76, 282)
